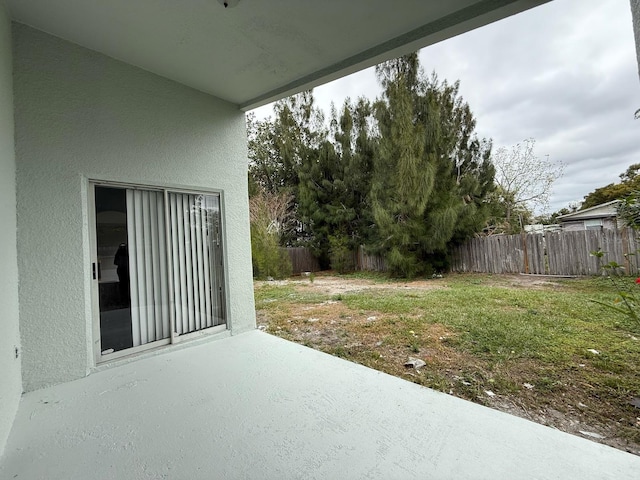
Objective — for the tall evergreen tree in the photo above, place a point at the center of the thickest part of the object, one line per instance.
(406, 176)
(358, 165)
(431, 174)
(265, 170)
(334, 186)
(298, 131)
(279, 147)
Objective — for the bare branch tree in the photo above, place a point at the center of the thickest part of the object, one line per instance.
(271, 212)
(524, 180)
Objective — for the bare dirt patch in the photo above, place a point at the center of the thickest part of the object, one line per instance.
(335, 285)
(526, 281)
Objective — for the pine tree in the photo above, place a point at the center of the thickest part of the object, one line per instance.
(406, 176)
(431, 174)
(334, 186)
(265, 171)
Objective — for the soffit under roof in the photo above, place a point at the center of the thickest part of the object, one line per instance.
(259, 50)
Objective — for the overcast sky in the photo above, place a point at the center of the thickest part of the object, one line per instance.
(564, 73)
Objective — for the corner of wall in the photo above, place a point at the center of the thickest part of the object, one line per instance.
(635, 14)
(11, 384)
(94, 117)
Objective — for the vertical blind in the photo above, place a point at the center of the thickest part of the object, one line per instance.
(175, 263)
(194, 222)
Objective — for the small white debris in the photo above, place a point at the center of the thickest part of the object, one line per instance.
(633, 338)
(306, 274)
(581, 365)
(415, 363)
(371, 319)
(378, 344)
(262, 327)
(461, 380)
(594, 351)
(528, 386)
(270, 279)
(489, 393)
(313, 320)
(592, 434)
(582, 405)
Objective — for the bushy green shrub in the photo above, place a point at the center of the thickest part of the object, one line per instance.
(268, 213)
(341, 254)
(268, 258)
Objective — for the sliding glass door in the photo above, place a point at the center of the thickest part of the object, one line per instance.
(112, 269)
(159, 266)
(196, 261)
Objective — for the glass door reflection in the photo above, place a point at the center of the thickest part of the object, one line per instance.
(113, 269)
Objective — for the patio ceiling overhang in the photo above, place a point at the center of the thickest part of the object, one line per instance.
(258, 51)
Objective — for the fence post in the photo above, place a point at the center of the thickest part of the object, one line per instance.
(625, 250)
(523, 236)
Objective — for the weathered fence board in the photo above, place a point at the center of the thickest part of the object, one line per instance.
(302, 260)
(495, 254)
(369, 263)
(552, 253)
(535, 251)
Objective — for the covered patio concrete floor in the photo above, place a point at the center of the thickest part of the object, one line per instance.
(255, 406)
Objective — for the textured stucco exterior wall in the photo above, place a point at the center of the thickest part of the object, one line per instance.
(10, 381)
(81, 115)
(635, 13)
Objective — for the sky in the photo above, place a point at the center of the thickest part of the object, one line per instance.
(564, 74)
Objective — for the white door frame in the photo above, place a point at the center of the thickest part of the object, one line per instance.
(95, 271)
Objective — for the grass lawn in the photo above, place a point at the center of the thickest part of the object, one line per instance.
(537, 347)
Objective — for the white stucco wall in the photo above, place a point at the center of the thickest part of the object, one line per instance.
(10, 382)
(635, 13)
(80, 115)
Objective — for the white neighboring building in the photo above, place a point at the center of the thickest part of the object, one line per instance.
(603, 216)
(540, 228)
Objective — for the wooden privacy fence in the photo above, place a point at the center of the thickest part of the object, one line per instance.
(302, 260)
(500, 254)
(369, 263)
(551, 253)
